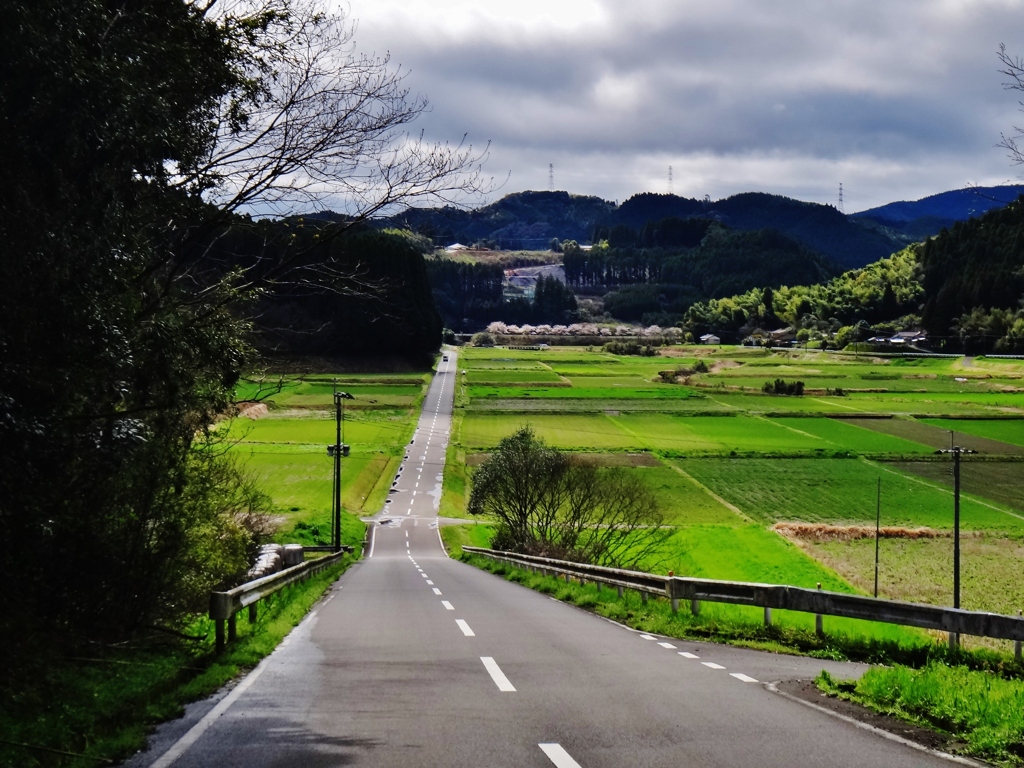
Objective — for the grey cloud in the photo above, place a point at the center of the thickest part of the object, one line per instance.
(898, 85)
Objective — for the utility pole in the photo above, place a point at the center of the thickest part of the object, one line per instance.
(336, 451)
(551, 177)
(841, 209)
(670, 179)
(956, 451)
(878, 528)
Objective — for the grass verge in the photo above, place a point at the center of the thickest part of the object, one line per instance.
(862, 641)
(979, 707)
(96, 707)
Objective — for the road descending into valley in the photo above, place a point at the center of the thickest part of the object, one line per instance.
(414, 660)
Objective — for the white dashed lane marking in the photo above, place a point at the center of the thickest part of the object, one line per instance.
(447, 606)
(437, 591)
(557, 755)
(744, 678)
(496, 674)
(712, 665)
(689, 655)
(465, 628)
(667, 645)
(647, 637)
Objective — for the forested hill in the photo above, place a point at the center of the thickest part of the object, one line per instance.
(525, 220)
(965, 287)
(846, 242)
(975, 268)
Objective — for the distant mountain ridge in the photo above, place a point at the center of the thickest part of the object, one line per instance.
(530, 220)
(928, 216)
(955, 205)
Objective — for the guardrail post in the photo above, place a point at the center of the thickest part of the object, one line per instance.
(695, 607)
(252, 613)
(672, 590)
(220, 634)
(568, 578)
(1017, 644)
(621, 591)
(643, 598)
(767, 616)
(819, 628)
(232, 628)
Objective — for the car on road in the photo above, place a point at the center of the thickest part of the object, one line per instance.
(445, 358)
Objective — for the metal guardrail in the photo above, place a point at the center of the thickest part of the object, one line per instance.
(225, 605)
(955, 621)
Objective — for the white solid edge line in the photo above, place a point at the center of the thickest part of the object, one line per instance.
(557, 755)
(465, 628)
(193, 734)
(196, 731)
(742, 678)
(774, 688)
(712, 665)
(496, 674)
(440, 540)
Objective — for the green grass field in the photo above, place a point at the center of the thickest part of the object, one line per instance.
(681, 434)
(286, 450)
(641, 390)
(850, 436)
(840, 491)
(1009, 431)
(996, 482)
(685, 502)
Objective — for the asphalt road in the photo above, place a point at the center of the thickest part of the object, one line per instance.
(414, 659)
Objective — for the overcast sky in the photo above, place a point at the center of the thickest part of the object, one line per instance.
(895, 99)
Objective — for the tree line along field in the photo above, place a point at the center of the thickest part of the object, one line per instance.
(728, 463)
(285, 447)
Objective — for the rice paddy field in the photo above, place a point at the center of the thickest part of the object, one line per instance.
(283, 443)
(728, 462)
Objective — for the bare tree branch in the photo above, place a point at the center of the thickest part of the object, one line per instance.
(314, 121)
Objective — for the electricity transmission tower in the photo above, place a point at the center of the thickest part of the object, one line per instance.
(551, 177)
(841, 210)
(670, 179)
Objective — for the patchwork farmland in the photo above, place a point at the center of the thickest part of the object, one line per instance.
(283, 444)
(729, 463)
